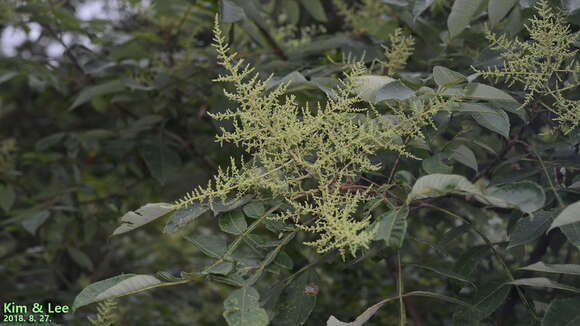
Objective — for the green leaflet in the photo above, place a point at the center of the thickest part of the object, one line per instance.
(420, 6)
(89, 93)
(367, 314)
(298, 299)
(572, 232)
(530, 228)
(231, 12)
(118, 286)
(211, 245)
(526, 195)
(254, 209)
(369, 85)
(184, 215)
(460, 15)
(32, 221)
(314, 8)
(498, 9)
(465, 156)
(570, 269)
(562, 312)
(542, 282)
(7, 197)
(496, 121)
(233, 222)
(242, 308)
(161, 160)
(570, 215)
(145, 214)
(435, 185)
(392, 227)
(80, 258)
(487, 300)
(446, 77)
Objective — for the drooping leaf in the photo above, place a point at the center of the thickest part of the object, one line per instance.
(298, 299)
(161, 161)
(89, 93)
(49, 141)
(446, 77)
(435, 185)
(184, 215)
(118, 286)
(562, 312)
(572, 233)
(271, 296)
(7, 197)
(571, 269)
(572, 7)
(543, 282)
(460, 15)
(315, 9)
(420, 6)
(487, 300)
(7, 76)
(444, 272)
(530, 228)
(292, 9)
(498, 9)
(392, 227)
(515, 20)
(242, 308)
(369, 85)
(253, 11)
(325, 84)
(570, 215)
(465, 156)
(146, 214)
(526, 195)
(80, 258)
(367, 314)
(31, 222)
(231, 12)
(233, 222)
(498, 121)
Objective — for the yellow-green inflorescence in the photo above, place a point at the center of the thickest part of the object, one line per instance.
(398, 52)
(305, 154)
(542, 64)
